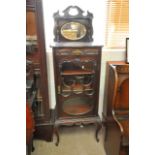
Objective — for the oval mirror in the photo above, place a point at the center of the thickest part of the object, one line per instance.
(73, 31)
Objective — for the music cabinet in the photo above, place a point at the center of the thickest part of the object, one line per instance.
(77, 76)
(36, 72)
(76, 69)
(116, 109)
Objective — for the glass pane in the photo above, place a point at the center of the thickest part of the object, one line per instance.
(31, 35)
(78, 66)
(78, 105)
(30, 23)
(73, 31)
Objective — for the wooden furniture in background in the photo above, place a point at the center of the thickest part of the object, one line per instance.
(37, 69)
(29, 129)
(116, 109)
(77, 79)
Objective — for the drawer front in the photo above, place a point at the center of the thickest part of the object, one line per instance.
(122, 68)
(77, 51)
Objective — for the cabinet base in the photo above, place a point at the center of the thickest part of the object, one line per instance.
(77, 121)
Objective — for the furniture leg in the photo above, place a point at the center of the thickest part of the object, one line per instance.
(33, 148)
(57, 135)
(97, 130)
(105, 131)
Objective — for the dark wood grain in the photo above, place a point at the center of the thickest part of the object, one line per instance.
(116, 115)
(41, 108)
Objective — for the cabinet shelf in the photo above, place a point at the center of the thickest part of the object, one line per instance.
(76, 92)
(78, 72)
(78, 106)
(78, 89)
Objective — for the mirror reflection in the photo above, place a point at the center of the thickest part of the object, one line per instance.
(73, 31)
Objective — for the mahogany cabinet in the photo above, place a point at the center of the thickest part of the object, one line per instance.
(116, 108)
(76, 69)
(36, 70)
(77, 79)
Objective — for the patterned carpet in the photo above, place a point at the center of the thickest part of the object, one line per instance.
(73, 141)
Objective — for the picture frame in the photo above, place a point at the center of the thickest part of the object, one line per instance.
(127, 50)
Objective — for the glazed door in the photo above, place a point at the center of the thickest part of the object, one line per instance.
(77, 85)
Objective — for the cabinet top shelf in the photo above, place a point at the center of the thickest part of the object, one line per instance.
(77, 72)
(75, 44)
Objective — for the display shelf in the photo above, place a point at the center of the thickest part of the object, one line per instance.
(78, 105)
(77, 72)
(77, 88)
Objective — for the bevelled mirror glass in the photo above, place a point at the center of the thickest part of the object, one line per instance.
(73, 25)
(73, 31)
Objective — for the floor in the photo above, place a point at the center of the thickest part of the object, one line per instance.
(73, 141)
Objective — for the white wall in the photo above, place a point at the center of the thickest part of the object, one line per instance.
(107, 55)
(98, 8)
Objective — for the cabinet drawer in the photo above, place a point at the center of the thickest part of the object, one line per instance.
(122, 68)
(77, 51)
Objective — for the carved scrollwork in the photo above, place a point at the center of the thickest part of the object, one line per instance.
(73, 25)
(67, 13)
